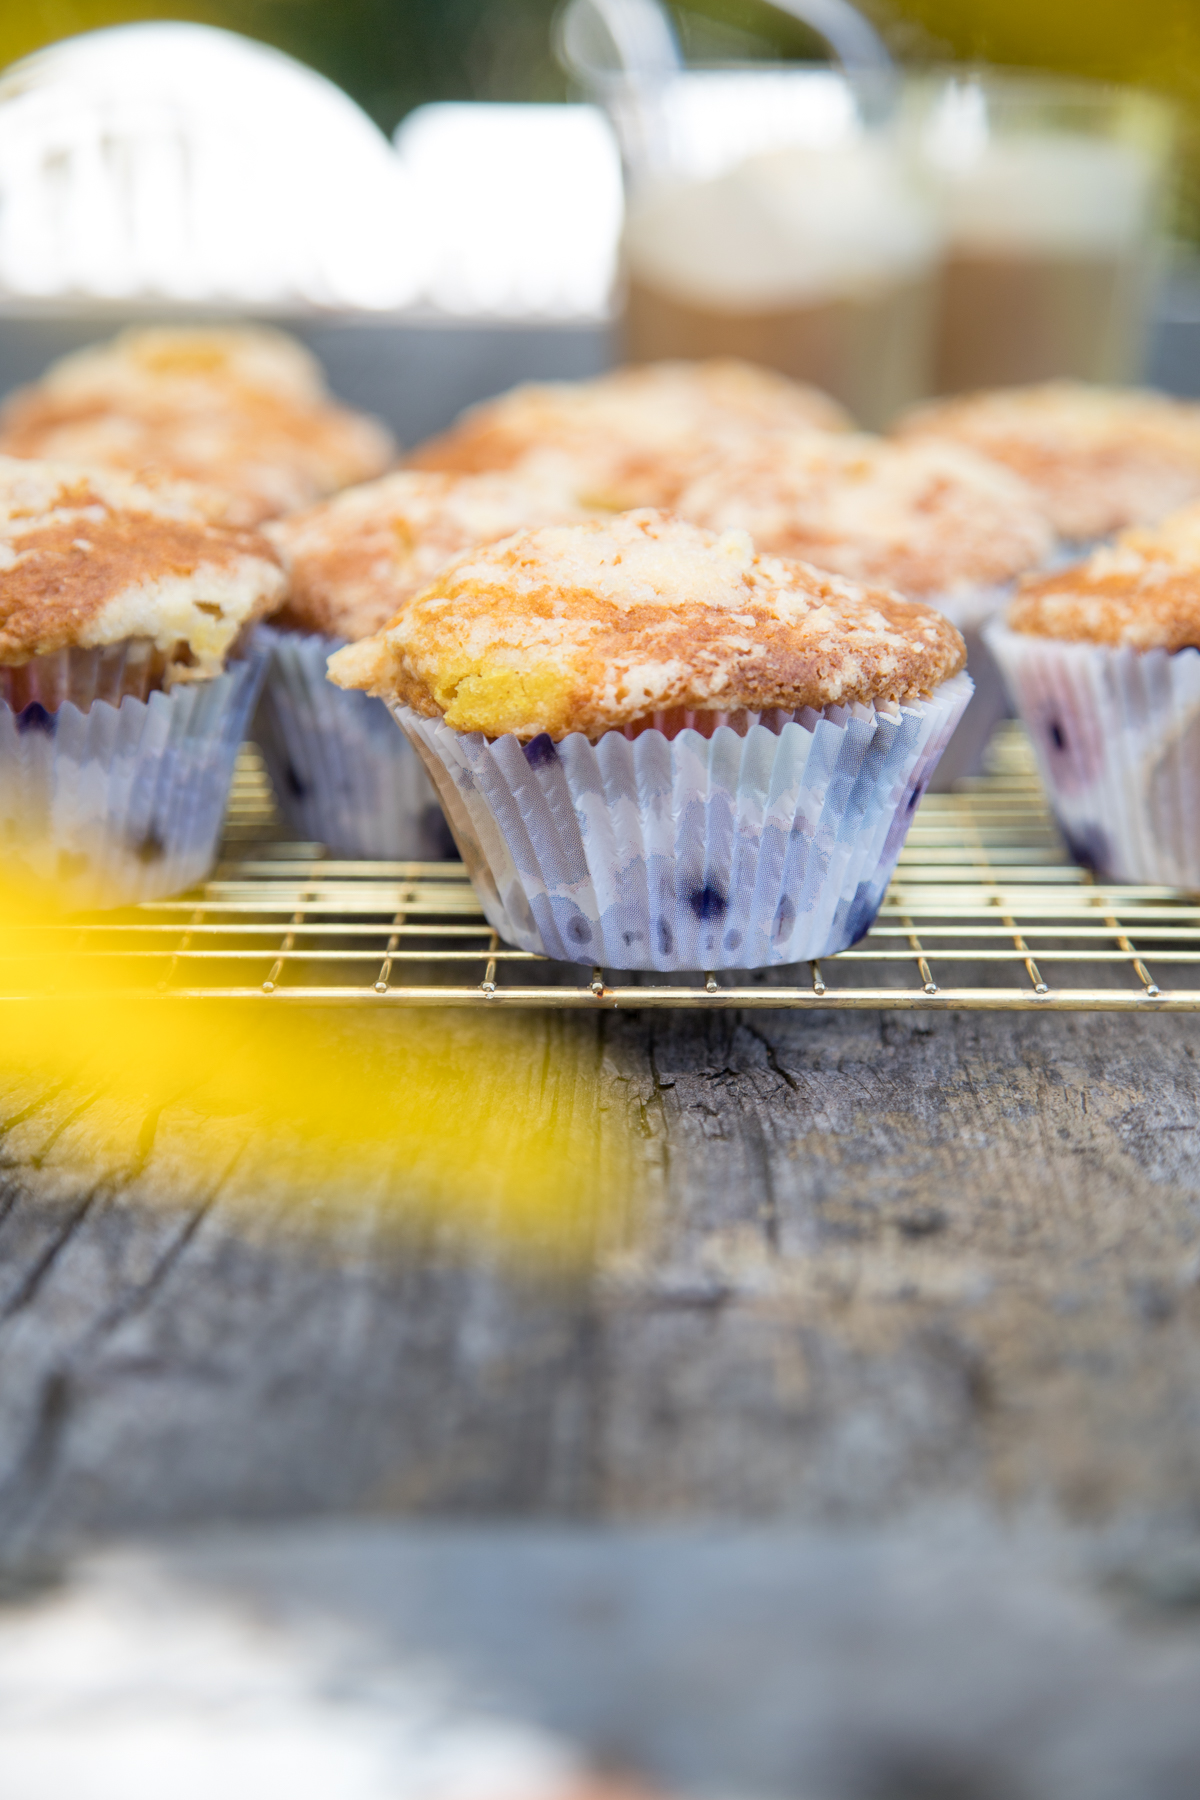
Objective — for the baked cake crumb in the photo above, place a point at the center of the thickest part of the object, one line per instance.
(933, 520)
(630, 438)
(90, 557)
(243, 409)
(1099, 458)
(594, 627)
(353, 561)
(1142, 592)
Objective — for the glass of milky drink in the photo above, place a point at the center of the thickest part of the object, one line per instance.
(1052, 195)
(767, 219)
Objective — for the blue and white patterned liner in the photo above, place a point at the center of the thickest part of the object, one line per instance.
(119, 804)
(343, 775)
(739, 851)
(1116, 733)
(970, 611)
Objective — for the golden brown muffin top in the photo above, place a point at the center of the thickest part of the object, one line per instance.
(930, 519)
(89, 557)
(1099, 458)
(243, 409)
(596, 626)
(630, 438)
(138, 361)
(354, 560)
(1142, 592)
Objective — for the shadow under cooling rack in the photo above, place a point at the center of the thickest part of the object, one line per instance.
(986, 910)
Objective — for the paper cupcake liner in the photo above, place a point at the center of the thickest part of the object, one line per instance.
(769, 844)
(135, 666)
(343, 775)
(964, 753)
(1116, 733)
(117, 804)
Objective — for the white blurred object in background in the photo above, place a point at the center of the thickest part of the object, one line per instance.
(520, 209)
(130, 1686)
(179, 163)
(704, 122)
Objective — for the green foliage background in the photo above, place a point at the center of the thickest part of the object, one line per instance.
(393, 54)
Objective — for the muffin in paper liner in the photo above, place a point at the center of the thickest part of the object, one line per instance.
(343, 775)
(990, 702)
(1116, 733)
(972, 611)
(120, 803)
(770, 841)
(963, 755)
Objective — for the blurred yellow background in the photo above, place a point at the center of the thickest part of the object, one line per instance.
(499, 1128)
(394, 53)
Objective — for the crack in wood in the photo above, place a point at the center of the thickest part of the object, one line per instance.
(36, 1461)
(877, 1269)
(44, 1099)
(140, 1296)
(62, 1125)
(773, 1062)
(30, 1285)
(42, 1266)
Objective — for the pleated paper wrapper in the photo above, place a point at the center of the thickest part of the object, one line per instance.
(343, 775)
(970, 611)
(122, 800)
(770, 843)
(1116, 733)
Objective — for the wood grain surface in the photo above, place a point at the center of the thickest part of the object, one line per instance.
(873, 1259)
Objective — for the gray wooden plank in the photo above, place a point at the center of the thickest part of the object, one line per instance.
(876, 1258)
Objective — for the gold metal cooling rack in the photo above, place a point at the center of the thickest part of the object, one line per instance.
(986, 910)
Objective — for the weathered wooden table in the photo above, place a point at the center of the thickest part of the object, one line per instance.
(891, 1256)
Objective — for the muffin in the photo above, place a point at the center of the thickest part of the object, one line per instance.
(342, 773)
(126, 677)
(629, 438)
(1103, 662)
(932, 520)
(1100, 459)
(659, 750)
(240, 409)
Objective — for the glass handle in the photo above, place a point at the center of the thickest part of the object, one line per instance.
(853, 39)
(602, 40)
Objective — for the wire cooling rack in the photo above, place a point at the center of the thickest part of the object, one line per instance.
(986, 910)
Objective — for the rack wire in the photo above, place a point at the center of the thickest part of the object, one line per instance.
(986, 911)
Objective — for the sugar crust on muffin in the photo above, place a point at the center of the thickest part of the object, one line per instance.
(629, 438)
(240, 408)
(353, 561)
(140, 359)
(1141, 592)
(1100, 458)
(929, 519)
(593, 627)
(89, 558)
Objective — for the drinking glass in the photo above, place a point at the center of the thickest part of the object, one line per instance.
(770, 212)
(1052, 195)
(766, 219)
